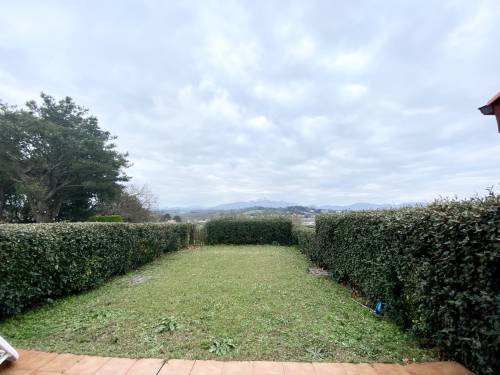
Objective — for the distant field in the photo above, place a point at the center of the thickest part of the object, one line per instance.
(246, 302)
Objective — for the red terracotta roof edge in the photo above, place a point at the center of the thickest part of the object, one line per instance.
(494, 99)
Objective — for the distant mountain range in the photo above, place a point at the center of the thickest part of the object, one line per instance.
(267, 203)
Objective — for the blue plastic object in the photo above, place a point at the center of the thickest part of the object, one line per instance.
(380, 308)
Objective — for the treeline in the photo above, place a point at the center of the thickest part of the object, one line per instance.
(57, 164)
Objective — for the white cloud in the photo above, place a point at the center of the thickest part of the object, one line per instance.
(13, 90)
(476, 31)
(312, 126)
(260, 123)
(410, 111)
(352, 92)
(210, 100)
(235, 59)
(309, 102)
(352, 61)
(283, 94)
(303, 47)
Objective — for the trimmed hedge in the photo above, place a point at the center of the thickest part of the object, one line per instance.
(106, 219)
(39, 262)
(241, 231)
(305, 239)
(437, 268)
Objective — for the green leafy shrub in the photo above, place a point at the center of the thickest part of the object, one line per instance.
(169, 324)
(241, 231)
(437, 268)
(44, 261)
(305, 239)
(222, 346)
(106, 219)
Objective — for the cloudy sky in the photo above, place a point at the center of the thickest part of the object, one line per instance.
(312, 102)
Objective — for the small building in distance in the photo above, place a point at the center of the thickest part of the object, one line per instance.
(492, 108)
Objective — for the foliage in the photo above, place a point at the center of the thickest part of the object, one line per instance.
(305, 239)
(43, 261)
(222, 346)
(106, 219)
(134, 204)
(177, 218)
(165, 217)
(316, 353)
(436, 267)
(56, 156)
(241, 231)
(263, 297)
(169, 324)
(14, 207)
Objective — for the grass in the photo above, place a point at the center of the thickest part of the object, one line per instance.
(225, 302)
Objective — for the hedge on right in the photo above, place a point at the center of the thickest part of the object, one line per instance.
(437, 268)
(243, 231)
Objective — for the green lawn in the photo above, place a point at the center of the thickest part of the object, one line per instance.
(259, 298)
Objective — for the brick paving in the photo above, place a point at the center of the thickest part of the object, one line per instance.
(40, 363)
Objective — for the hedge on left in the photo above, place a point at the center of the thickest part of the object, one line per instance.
(39, 262)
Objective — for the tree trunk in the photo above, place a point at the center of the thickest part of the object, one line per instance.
(2, 202)
(41, 213)
(55, 209)
(40, 209)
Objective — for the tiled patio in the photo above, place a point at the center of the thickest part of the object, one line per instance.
(41, 363)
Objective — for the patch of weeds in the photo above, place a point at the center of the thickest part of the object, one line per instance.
(207, 313)
(100, 315)
(113, 340)
(151, 343)
(221, 346)
(169, 324)
(316, 353)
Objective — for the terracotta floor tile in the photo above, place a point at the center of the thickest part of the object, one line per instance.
(207, 368)
(329, 369)
(237, 368)
(298, 368)
(8, 368)
(116, 366)
(30, 359)
(61, 362)
(437, 368)
(176, 367)
(267, 368)
(40, 363)
(421, 369)
(87, 365)
(389, 369)
(359, 369)
(452, 368)
(13, 371)
(146, 366)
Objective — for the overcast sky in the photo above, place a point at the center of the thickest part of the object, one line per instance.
(312, 102)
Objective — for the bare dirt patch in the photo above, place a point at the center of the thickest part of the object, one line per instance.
(319, 272)
(139, 279)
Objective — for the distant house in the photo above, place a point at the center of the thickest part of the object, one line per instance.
(492, 108)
